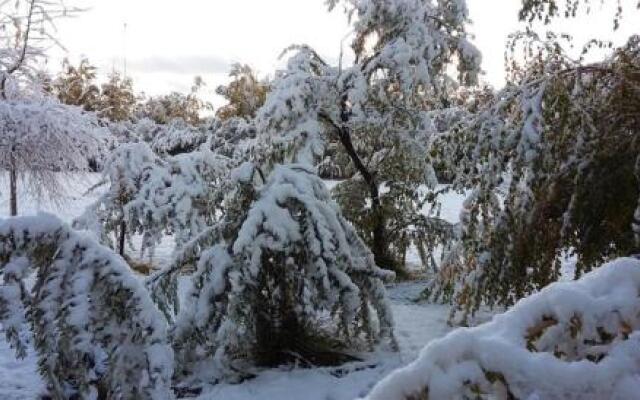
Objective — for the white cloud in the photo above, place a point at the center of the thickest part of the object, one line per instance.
(180, 65)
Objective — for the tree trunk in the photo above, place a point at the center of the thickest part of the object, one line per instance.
(121, 240)
(379, 246)
(13, 187)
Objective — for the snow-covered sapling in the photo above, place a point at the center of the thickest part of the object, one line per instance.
(182, 197)
(283, 277)
(128, 167)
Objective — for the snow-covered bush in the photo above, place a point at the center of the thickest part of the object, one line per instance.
(181, 197)
(573, 340)
(124, 172)
(94, 326)
(283, 277)
(233, 137)
(176, 137)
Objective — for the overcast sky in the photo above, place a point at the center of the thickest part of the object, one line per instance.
(168, 42)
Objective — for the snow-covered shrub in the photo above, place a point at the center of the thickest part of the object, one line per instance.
(127, 168)
(233, 137)
(573, 340)
(176, 137)
(141, 130)
(182, 197)
(94, 326)
(283, 277)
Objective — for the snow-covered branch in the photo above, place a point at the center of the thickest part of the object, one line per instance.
(94, 325)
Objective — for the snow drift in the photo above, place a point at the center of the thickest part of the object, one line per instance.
(572, 340)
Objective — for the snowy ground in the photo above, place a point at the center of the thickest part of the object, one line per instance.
(416, 325)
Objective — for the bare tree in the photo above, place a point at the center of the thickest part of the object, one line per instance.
(26, 29)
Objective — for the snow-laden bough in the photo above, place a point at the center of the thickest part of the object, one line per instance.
(94, 326)
(284, 277)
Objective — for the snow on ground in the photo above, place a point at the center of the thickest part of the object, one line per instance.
(571, 340)
(416, 325)
(19, 379)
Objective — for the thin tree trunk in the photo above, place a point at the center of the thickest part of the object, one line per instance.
(13, 189)
(121, 240)
(379, 246)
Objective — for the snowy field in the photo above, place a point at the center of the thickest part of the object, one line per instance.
(416, 325)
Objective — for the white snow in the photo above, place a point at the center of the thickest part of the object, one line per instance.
(544, 347)
(19, 379)
(416, 325)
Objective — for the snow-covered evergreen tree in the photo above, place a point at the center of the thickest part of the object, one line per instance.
(94, 326)
(282, 277)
